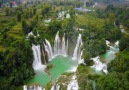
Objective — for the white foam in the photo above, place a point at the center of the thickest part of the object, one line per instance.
(55, 87)
(47, 20)
(73, 85)
(117, 43)
(73, 69)
(81, 61)
(98, 65)
(24, 87)
(67, 15)
(107, 43)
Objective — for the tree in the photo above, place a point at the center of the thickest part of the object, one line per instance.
(124, 42)
(112, 17)
(32, 39)
(25, 27)
(55, 26)
(7, 10)
(18, 16)
(119, 71)
(87, 59)
(45, 10)
(34, 10)
(16, 64)
(34, 31)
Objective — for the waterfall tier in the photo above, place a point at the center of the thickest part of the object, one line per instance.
(77, 51)
(60, 47)
(37, 63)
(34, 87)
(48, 49)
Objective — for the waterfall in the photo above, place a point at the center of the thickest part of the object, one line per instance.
(37, 55)
(114, 48)
(81, 55)
(48, 49)
(34, 87)
(67, 48)
(64, 46)
(60, 47)
(24, 87)
(48, 52)
(49, 46)
(81, 60)
(57, 44)
(73, 84)
(55, 87)
(37, 64)
(77, 53)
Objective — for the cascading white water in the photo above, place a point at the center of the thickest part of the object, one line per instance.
(24, 87)
(37, 55)
(37, 64)
(81, 60)
(48, 49)
(64, 47)
(73, 84)
(55, 87)
(77, 53)
(98, 65)
(48, 52)
(67, 48)
(34, 87)
(81, 55)
(80, 52)
(114, 48)
(57, 44)
(60, 47)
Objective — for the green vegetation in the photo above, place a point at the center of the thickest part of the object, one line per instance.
(2, 48)
(95, 35)
(85, 75)
(16, 63)
(16, 55)
(49, 66)
(117, 79)
(90, 18)
(64, 80)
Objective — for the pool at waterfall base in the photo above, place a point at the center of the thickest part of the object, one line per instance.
(61, 65)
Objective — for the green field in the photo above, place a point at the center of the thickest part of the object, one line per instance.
(16, 31)
(90, 18)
